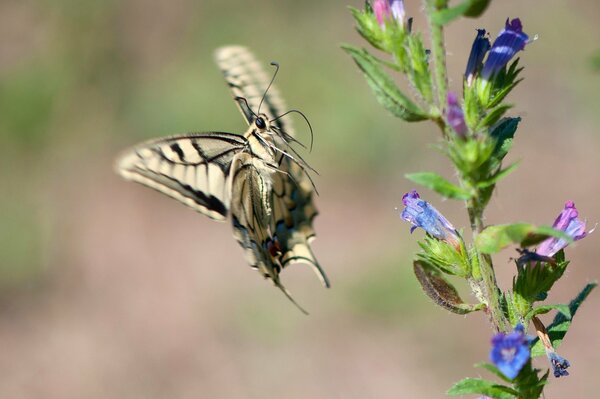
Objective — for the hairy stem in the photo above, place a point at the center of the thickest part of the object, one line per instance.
(488, 284)
(438, 53)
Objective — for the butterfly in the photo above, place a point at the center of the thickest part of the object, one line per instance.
(257, 180)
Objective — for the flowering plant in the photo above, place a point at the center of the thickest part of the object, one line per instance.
(477, 135)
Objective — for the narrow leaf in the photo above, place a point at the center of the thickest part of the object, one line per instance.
(559, 327)
(482, 387)
(494, 238)
(494, 370)
(438, 184)
(501, 174)
(441, 291)
(564, 309)
(386, 91)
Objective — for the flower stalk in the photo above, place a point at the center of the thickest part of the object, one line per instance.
(477, 135)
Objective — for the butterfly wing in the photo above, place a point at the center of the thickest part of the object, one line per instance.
(193, 169)
(292, 205)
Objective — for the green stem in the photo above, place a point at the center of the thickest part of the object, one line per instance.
(438, 53)
(488, 284)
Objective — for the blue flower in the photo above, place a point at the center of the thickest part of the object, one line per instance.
(568, 222)
(559, 364)
(510, 40)
(479, 49)
(422, 214)
(510, 352)
(455, 116)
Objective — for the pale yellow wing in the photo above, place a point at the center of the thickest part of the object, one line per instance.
(193, 169)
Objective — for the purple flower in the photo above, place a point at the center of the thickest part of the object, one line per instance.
(510, 352)
(509, 41)
(386, 9)
(480, 47)
(382, 11)
(455, 115)
(559, 364)
(421, 214)
(568, 222)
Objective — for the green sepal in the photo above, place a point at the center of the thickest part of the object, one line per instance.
(440, 290)
(471, 156)
(560, 325)
(479, 386)
(503, 83)
(468, 8)
(493, 116)
(494, 238)
(368, 28)
(533, 281)
(564, 309)
(445, 257)
(386, 91)
(437, 183)
(494, 370)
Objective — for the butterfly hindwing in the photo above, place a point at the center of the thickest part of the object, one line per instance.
(192, 169)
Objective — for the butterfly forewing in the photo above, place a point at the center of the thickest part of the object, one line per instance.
(194, 169)
(247, 79)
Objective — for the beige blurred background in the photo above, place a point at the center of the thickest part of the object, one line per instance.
(110, 290)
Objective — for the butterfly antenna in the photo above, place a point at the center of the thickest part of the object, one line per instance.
(305, 118)
(239, 99)
(287, 137)
(276, 65)
(288, 295)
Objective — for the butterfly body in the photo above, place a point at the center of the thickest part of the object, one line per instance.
(253, 179)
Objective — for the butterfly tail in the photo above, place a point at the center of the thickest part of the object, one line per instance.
(288, 295)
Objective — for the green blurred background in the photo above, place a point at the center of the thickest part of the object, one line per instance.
(108, 289)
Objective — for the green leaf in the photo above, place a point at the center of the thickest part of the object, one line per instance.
(564, 309)
(494, 238)
(482, 387)
(477, 7)
(503, 132)
(501, 174)
(441, 291)
(494, 370)
(559, 327)
(468, 8)
(438, 184)
(386, 91)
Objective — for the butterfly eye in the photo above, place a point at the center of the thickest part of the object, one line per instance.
(260, 123)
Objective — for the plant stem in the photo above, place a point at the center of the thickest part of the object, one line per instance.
(438, 53)
(488, 284)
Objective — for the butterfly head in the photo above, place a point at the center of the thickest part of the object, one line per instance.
(262, 123)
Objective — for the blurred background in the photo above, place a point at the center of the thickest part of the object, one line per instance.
(109, 289)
